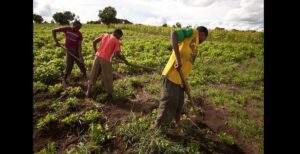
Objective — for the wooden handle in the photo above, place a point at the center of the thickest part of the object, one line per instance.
(72, 55)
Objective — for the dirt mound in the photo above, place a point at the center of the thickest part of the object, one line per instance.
(215, 119)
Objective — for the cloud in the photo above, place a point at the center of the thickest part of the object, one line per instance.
(35, 3)
(227, 13)
(200, 3)
(235, 25)
(250, 11)
(46, 11)
(158, 21)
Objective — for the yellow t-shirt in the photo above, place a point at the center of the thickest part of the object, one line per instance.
(187, 57)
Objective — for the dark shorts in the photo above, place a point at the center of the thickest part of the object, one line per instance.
(171, 103)
(70, 60)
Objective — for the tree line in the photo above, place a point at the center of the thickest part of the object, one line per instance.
(106, 16)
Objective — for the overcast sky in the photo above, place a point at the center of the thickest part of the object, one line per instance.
(238, 14)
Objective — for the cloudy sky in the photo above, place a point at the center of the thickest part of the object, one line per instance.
(238, 14)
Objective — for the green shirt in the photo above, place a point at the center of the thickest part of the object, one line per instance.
(183, 33)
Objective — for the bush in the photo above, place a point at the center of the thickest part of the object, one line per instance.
(90, 116)
(47, 74)
(72, 118)
(98, 134)
(50, 149)
(71, 101)
(56, 89)
(72, 91)
(39, 86)
(45, 120)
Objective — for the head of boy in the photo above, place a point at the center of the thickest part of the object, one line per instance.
(76, 25)
(118, 33)
(203, 33)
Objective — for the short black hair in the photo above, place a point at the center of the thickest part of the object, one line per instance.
(118, 31)
(76, 22)
(203, 29)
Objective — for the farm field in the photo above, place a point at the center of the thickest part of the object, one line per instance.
(227, 81)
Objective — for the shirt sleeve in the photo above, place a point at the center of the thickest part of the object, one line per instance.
(117, 48)
(63, 29)
(184, 33)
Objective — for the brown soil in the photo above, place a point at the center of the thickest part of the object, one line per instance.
(216, 118)
(213, 121)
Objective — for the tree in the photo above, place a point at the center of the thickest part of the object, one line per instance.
(63, 18)
(178, 25)
(219, 28)
(37, 18)
(69, 15)
(165, 25)
(108, 15)
(123, 21)
(94, 22)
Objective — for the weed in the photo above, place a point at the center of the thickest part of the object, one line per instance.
(98, 134)
(56, 89)
(45, 120)
(90, 116)
(50, 149)
(224, 137)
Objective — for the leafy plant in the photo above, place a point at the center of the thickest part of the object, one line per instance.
(45, 120)
(224, 137)
(90, 116)
(50, 149)
(71, 101)
(72, 91)
(72, 118)
(39, 86)
(98, 134)
(56, 89)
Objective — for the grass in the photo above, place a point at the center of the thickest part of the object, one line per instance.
(228, 72)
(72, 91)
(99, 134)
(224, 137)
(50, 149)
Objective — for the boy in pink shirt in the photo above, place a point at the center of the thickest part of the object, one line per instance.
(73, 41)
(109, 46)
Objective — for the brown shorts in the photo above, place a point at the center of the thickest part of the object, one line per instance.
(104, 68)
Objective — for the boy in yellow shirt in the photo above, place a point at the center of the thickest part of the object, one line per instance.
(184, 43)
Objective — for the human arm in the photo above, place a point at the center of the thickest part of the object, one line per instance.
(54, 34)
(95, 42)
(175, 46)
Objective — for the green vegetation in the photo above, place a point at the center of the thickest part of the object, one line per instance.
(228, 73)
(39, 86)
(90, 116)
(56, 89)
(45, 120)
(50, 149)
(72, 91)
(224, 137)
(98, 134)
